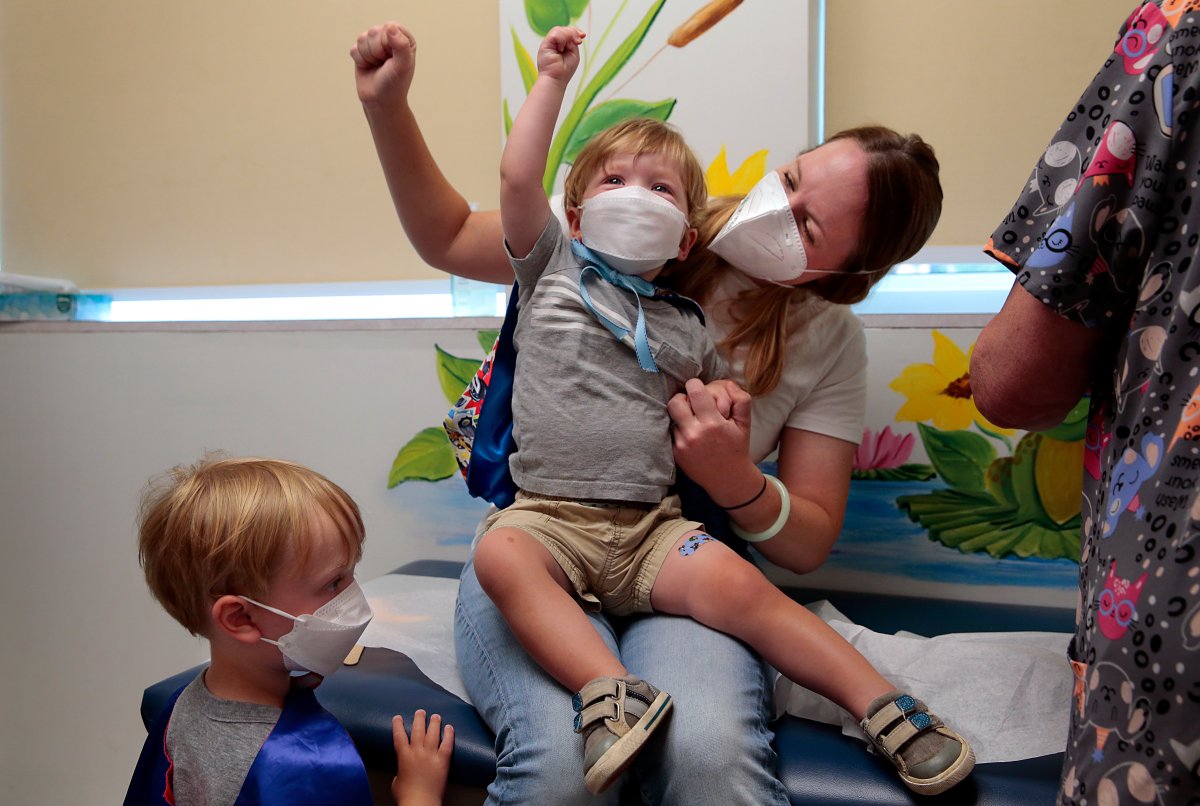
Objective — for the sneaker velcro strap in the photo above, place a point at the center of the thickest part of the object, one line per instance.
(608, 709)
(888, 715)
(596, 690)
(906, 731)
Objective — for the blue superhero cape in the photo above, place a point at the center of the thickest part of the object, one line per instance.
(488, 474)
(307, 760)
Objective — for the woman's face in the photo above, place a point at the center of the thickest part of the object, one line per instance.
(827, 190)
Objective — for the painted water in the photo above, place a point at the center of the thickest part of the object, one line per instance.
(878, 538)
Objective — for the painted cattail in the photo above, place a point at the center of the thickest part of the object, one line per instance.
(701, 21)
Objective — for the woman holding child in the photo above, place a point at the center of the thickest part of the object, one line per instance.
(846, 212)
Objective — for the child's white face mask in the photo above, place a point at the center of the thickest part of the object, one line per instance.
(321, 641)
(761, 238)
(633, 229)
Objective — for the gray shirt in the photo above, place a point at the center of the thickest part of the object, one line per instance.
(588, 421)
(212, 743)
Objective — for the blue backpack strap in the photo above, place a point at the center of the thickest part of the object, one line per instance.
(488, 474)
(308, 760)
(151, 781)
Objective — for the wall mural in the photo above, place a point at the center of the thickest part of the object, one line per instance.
(682, 61)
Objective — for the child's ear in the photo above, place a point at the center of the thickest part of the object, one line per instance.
(687, 242)
(573, 222)
(232, 617)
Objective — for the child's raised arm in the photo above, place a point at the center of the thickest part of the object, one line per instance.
(523, 205)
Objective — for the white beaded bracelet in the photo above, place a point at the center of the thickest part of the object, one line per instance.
(785, 509)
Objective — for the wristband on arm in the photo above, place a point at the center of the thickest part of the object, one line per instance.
(785, 509)
(757, 496)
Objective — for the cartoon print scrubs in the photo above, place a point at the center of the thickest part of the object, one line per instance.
(1112, 240)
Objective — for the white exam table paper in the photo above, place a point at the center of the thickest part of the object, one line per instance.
(414, 615)
(1007, 693)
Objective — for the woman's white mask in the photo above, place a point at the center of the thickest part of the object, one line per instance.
(321, 641)
(633, 229)
(761, 238)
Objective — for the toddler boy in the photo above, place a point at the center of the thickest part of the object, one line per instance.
(258, 556)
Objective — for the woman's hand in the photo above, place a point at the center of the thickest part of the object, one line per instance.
(712, 439)
(385, 57)
(558, 55)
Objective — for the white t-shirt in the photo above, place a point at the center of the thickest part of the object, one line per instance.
(823, 388)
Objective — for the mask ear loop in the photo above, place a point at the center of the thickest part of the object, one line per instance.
(274, 610)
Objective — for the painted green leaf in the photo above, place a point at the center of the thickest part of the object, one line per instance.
(603, 76)
(1074, 425)
(507, 117)
(525, 64)
(609, 113)
(959, 457)
(575, 8)
(427, 457)
(908, 472)
(487, 338)
(545, 14)
(454, 373)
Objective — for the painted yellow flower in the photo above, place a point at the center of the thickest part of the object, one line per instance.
(941, 392)
(723, 183)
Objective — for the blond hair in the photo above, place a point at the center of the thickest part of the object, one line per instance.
(638, 136)
(223, 526)
(904, 203)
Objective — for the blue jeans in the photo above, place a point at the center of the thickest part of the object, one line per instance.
(717, 746)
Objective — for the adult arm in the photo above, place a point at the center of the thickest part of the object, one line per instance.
(712, 445)
(443, 229)
(1030, 365)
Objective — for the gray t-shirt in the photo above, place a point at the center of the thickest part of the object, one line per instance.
(212, 743)
(588, 421)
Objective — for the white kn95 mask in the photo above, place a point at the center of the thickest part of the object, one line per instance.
(633, 229)
(321, 641)
(761, 238)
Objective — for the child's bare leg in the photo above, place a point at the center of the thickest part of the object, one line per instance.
(533, 593)
(707, 581)
(422, 761)
(718, 588)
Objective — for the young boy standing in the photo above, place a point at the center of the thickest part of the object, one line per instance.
(591, 522)
(258, 556)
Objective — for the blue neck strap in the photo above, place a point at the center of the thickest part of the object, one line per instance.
(594, 264)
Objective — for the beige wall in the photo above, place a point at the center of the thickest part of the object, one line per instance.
(986, 82)
(167, 143)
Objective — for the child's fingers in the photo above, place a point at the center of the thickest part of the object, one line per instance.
(563, 37)
(434, 734)
(447, 745)
(399, 736)
(417, 737)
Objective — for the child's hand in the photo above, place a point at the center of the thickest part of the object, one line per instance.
(558, 55)
(385, 57)
(422, 760)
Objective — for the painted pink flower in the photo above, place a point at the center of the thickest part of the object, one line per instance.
(882, 450)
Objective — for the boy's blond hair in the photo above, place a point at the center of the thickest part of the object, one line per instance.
(639, 136)
(222, 526)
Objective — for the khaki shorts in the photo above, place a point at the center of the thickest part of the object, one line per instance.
(612, 553)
